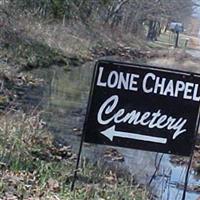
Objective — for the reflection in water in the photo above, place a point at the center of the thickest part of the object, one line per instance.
(65, 102)
(65, 97)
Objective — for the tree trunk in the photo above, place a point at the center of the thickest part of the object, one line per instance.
(150, 30)
(154, 30)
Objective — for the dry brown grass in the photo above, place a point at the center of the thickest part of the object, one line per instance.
(75, 38)
(177, 59)
(33, 168)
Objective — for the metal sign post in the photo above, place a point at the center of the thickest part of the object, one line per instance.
(77, 163)
(191, 158)
(83, 134)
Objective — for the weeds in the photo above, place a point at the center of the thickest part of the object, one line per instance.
(33, 168)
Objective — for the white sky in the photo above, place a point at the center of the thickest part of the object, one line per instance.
(196, 9)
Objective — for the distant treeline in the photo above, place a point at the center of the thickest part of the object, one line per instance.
(129, 15)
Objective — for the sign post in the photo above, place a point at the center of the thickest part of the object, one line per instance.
(177, 28)
(143, 107)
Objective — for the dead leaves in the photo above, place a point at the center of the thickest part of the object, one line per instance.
(177, 160)
(113, 155)
(111, 178)
(53, 185)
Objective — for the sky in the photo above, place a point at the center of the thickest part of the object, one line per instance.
(196, 9)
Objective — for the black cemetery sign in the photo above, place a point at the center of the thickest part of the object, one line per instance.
(143, 107)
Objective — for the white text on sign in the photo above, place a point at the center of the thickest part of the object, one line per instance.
(150, 84)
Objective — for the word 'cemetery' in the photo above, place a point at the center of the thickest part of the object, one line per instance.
(151, 120)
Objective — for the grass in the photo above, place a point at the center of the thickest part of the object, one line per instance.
(167, 40)
(32, 167)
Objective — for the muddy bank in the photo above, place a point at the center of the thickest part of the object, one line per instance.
(25, 53)
(19, 91)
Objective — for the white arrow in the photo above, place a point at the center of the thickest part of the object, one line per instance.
(111, 133)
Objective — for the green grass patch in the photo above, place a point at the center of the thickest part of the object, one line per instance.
(167, 40)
